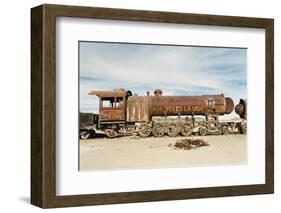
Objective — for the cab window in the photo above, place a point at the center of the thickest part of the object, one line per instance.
(107, 102)
(112, 102)
(119, 101)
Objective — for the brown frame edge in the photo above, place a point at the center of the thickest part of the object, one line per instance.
(43, 105)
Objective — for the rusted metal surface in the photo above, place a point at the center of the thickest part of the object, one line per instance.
(120, 113)
(112, 114)
(112, 105)
(144, 130)
(142, 108)
(229, 105)
(190, 105)
(113, 93)
(138, 108)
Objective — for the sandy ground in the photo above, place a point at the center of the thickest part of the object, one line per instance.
(134, 152)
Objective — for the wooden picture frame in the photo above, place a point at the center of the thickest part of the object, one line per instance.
(43, 105)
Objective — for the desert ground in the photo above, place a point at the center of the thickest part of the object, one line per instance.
(133, 152)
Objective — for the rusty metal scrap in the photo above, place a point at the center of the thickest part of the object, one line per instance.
(121, 104)
(187, 144)
(121, 112)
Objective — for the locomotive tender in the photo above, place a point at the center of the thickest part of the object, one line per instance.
(88, 124)
(121, 113)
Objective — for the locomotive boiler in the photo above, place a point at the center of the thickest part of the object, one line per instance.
(158, 105)
(122, 113)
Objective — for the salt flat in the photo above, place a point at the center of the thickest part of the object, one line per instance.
(133, 152)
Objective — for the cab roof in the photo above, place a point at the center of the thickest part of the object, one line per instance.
(110, 93)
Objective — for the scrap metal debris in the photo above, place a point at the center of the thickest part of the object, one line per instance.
(187, 144)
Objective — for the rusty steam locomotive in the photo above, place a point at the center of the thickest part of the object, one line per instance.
(121, 113)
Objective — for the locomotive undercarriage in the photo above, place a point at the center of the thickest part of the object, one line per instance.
(170, 127)
(174, 127)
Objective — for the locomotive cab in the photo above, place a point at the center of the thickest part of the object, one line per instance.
(112, 105)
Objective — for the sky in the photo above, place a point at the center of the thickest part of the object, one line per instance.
(176, 70)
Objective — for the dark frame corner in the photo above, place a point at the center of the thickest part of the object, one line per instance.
(43, 105)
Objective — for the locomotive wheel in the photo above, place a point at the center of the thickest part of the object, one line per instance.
(243, 129)
(158, 130)
(186, 130)
(144, 130)
(111, 133)
(85, 135)
(203, 130)
(172, 130)
(225, 130)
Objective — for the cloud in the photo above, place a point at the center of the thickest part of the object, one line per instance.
(177, 70)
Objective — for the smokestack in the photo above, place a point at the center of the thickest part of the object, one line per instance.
(158, 92)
